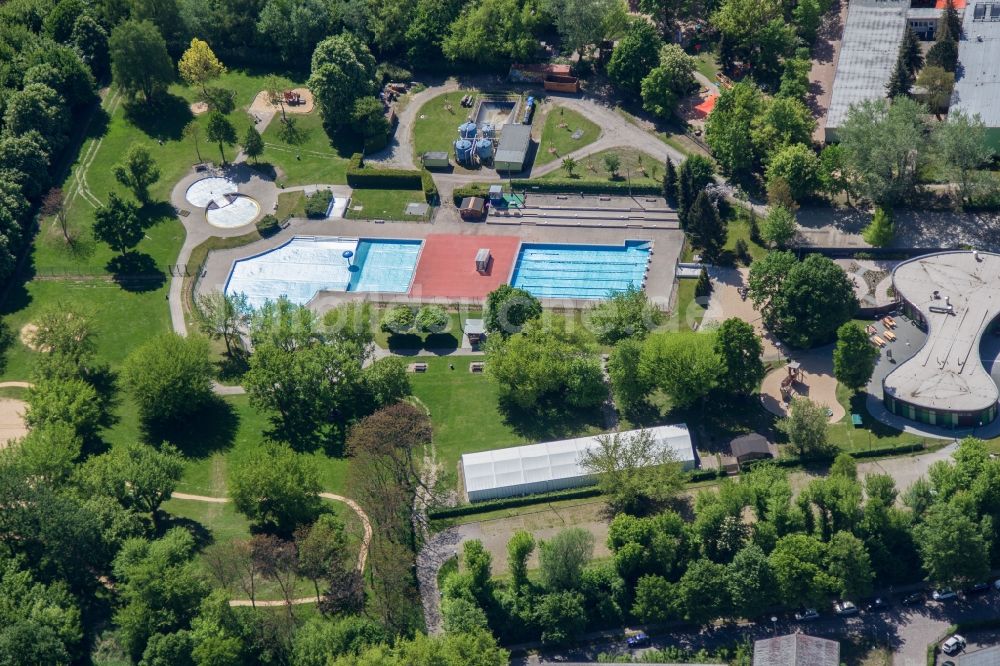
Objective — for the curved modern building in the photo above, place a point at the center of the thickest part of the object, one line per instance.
(954, 296)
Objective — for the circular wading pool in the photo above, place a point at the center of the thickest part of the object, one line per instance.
(238, 212)
(214, 188)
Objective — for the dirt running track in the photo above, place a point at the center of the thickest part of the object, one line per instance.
(362, 554)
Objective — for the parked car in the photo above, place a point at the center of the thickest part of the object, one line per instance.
(845, 608)
(807, 615)
(638, 640)
(913, 599)
(953, 645)
(877, 605)
(976, 589)
(943, 595)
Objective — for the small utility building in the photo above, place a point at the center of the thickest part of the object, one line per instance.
(512, 153)
(435, 160)
(541, 468)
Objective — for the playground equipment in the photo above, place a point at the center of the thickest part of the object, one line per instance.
(788, 383)
(292, 98)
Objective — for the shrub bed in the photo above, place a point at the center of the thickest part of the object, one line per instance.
(512, 502)
(268, 225)
(318, 203)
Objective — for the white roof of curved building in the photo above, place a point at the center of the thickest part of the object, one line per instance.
(555, 460)
(947, 373)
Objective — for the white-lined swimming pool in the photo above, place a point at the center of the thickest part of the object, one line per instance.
(553, 270)
(306, 265)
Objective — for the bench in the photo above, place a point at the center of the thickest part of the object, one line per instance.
(417, 367)
(476, 367)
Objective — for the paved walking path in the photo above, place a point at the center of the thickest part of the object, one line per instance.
(362, 553)
(26, 385)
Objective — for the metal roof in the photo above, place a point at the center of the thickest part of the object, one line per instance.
(754, 443)
(868, 52)
(796, 650)
(535, 463)
(977, 88)
(514, 143)
(947, 373)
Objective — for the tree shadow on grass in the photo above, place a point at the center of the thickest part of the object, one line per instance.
(404, 342)
(153, 212)
(202, 536)
(441, 342)
(137, 272)
(163, 118)
(231, 367)
(549, 423)
(212, 428)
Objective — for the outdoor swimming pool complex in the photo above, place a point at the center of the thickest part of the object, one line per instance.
(306, 265)
(551, 270)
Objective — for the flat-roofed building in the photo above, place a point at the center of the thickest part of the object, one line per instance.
(954, 296)
(512, 152)
(541, 468)
(868, 52)
(977, 86)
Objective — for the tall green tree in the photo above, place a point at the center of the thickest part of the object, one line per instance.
(703, 591)
(626, 314)
(562, 559)
(343, 70)
(519, 549)
(634, 57)
(739, 348)
(752, 583)
(705, 226)
(959, 560)
(220, 131)
(854, 356)
(508, 309)
(728, 128)
(223, 316)
(583, 23)
(798, 166)
(635, 471)
(683, 365)
(253, 143)
(546, 366)
(901, 79)
(118, 224)
(138, 476)
(961, 148)
(276, 488)
(911, 52)
(37, 108)
(881, 230)
(139, 60)
(494, 32)
(806, 427)
(779, 228)
(169, 377)
(137, 170)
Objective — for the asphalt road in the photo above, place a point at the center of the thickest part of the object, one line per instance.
(907, 630)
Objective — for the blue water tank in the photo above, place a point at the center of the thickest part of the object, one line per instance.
(484, 148)
(489, 131)
(463, 151)
(467, 130)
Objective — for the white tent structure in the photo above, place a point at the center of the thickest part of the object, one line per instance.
(540, 468)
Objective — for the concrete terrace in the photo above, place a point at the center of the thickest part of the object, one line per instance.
(667, 243)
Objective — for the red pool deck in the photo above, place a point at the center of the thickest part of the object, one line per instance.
(447, 266)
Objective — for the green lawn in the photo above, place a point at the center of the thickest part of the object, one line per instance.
(312, 158)
(450, 338)
(738, 228)
(557, 133)
(707, 65)
(638, 167)
(222, 522)
(291, 204)
(465, 414)
(874, 434)
(383, 204)
(436, 126)
(236, 429)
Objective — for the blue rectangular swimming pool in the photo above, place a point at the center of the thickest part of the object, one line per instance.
(306, 265)
(385, 265)
(552, 270)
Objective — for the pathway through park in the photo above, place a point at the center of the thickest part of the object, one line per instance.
(362, 554)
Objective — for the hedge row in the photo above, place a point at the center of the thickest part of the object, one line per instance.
(361, 177)
(562, 186)
(513, 502)
(795, 461)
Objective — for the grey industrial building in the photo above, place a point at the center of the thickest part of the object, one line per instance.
(868, 51)
(955, 297)
(977, 86)
(512, 153)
